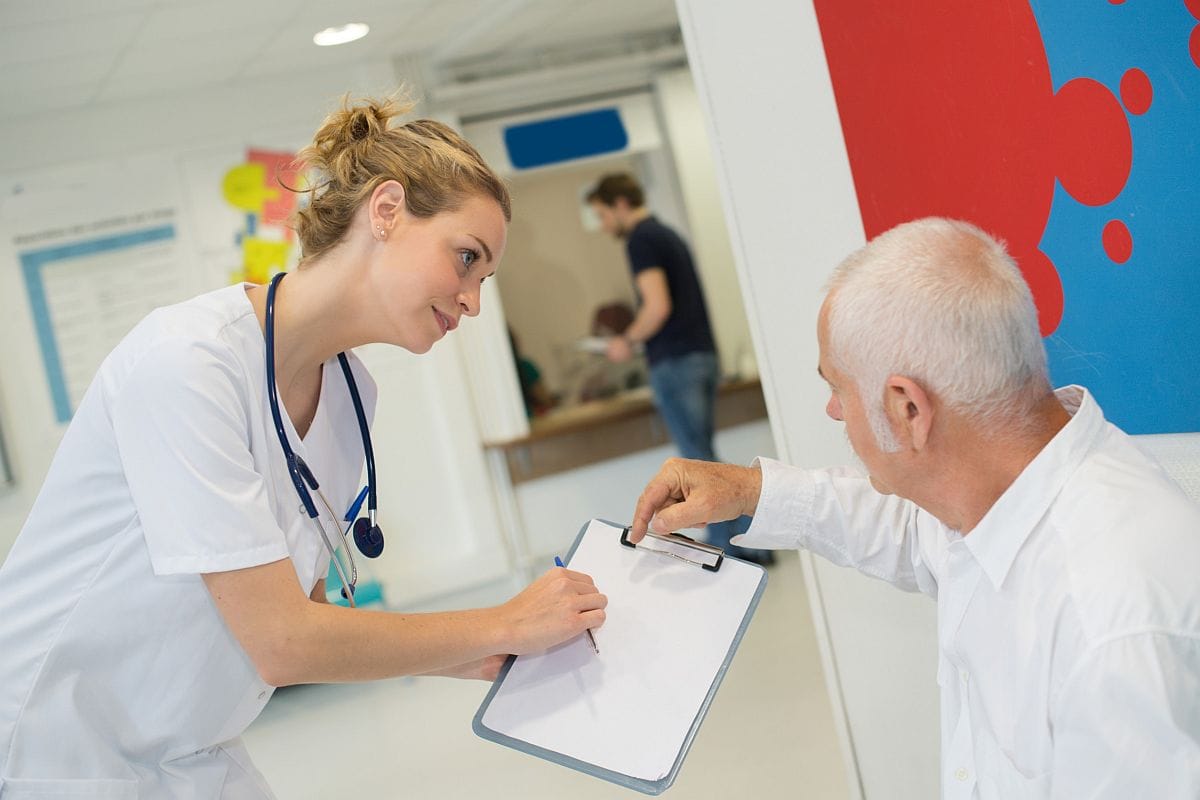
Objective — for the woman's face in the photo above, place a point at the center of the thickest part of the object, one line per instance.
(428, 272)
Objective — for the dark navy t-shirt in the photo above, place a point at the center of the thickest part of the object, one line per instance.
(652, 244)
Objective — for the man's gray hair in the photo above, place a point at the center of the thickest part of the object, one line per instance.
(940, 302)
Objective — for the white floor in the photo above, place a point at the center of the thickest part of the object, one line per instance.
(769, 733)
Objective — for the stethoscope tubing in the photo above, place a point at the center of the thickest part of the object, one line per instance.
(364, 431)
(273, 398)
(299, 471)
(347, 585)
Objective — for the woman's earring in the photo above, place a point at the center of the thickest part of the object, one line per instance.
(382, 234)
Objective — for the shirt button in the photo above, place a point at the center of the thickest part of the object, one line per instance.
(262, 694)
(961, 773)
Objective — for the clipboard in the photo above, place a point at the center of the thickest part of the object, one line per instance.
(677, 612)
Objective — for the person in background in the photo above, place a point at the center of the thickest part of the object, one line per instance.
(538, 399)
(602, 378)
(1063, 560)
(672, 325)
(168, 576)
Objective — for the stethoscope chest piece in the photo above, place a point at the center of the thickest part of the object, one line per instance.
(368, 537)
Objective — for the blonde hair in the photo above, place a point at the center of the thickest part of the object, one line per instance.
(355, 150)
(941, 302)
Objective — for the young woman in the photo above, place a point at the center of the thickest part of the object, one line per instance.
(171, 571)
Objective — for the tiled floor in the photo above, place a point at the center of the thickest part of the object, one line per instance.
(769, 733)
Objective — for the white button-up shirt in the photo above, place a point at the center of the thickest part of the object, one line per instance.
(1068, 619)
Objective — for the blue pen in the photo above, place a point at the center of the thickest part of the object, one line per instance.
(352, 512)
(558, 563)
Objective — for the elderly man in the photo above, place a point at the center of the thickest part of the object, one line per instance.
(1065, 563)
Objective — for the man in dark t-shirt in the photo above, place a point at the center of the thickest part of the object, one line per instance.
(671, 323)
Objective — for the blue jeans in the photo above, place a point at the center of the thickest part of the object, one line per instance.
(685, 391)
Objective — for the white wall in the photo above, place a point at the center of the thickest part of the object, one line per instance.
(761, 76)
(692, 154)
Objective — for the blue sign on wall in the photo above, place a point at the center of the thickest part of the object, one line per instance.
(553, 141)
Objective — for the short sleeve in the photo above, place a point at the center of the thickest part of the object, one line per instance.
(181, 423)
(642, 253)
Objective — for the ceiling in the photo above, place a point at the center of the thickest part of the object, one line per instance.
(68, 54)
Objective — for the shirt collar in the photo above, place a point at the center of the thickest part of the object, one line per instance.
(999, 536)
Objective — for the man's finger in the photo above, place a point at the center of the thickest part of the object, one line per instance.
(676, 516)
(657, 494)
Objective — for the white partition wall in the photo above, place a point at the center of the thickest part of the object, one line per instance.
(761, 75)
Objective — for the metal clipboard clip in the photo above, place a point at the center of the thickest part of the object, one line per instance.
(678, 546)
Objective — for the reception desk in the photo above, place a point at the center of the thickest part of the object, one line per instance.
(603, 429)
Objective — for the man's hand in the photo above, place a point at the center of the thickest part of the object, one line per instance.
(690, 494)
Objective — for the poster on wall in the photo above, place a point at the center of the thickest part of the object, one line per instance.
(1068, 131)
(240, 200)
(93, 262)
(266, 189)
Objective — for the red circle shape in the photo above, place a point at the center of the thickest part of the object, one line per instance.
(1136, 91)
(1194, 7)
(1118, 242)
(1194, 45)
(1092, 147)
(1046, 286)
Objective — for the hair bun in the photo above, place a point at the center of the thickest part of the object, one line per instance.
(356, 149)
(353, 124)
(360, 126)
(368, 120)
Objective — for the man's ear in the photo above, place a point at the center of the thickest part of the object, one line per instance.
(910, 410)
(386, 205)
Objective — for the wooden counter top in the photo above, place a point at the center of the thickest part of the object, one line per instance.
(585, 434)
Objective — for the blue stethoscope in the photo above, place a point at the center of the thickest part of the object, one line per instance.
(367, 535)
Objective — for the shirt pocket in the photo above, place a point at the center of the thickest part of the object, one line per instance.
(999, 778)
(43, 789)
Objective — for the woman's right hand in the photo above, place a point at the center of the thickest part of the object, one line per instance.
(559, 605)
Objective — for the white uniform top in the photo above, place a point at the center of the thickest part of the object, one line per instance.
(1068, 619)
(118, 676)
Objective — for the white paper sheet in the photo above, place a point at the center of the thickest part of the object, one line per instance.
(630, 708)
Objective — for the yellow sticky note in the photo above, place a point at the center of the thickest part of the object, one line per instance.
(260, 256)
(245, 187)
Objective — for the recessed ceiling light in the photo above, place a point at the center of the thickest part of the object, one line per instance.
(341, 34)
